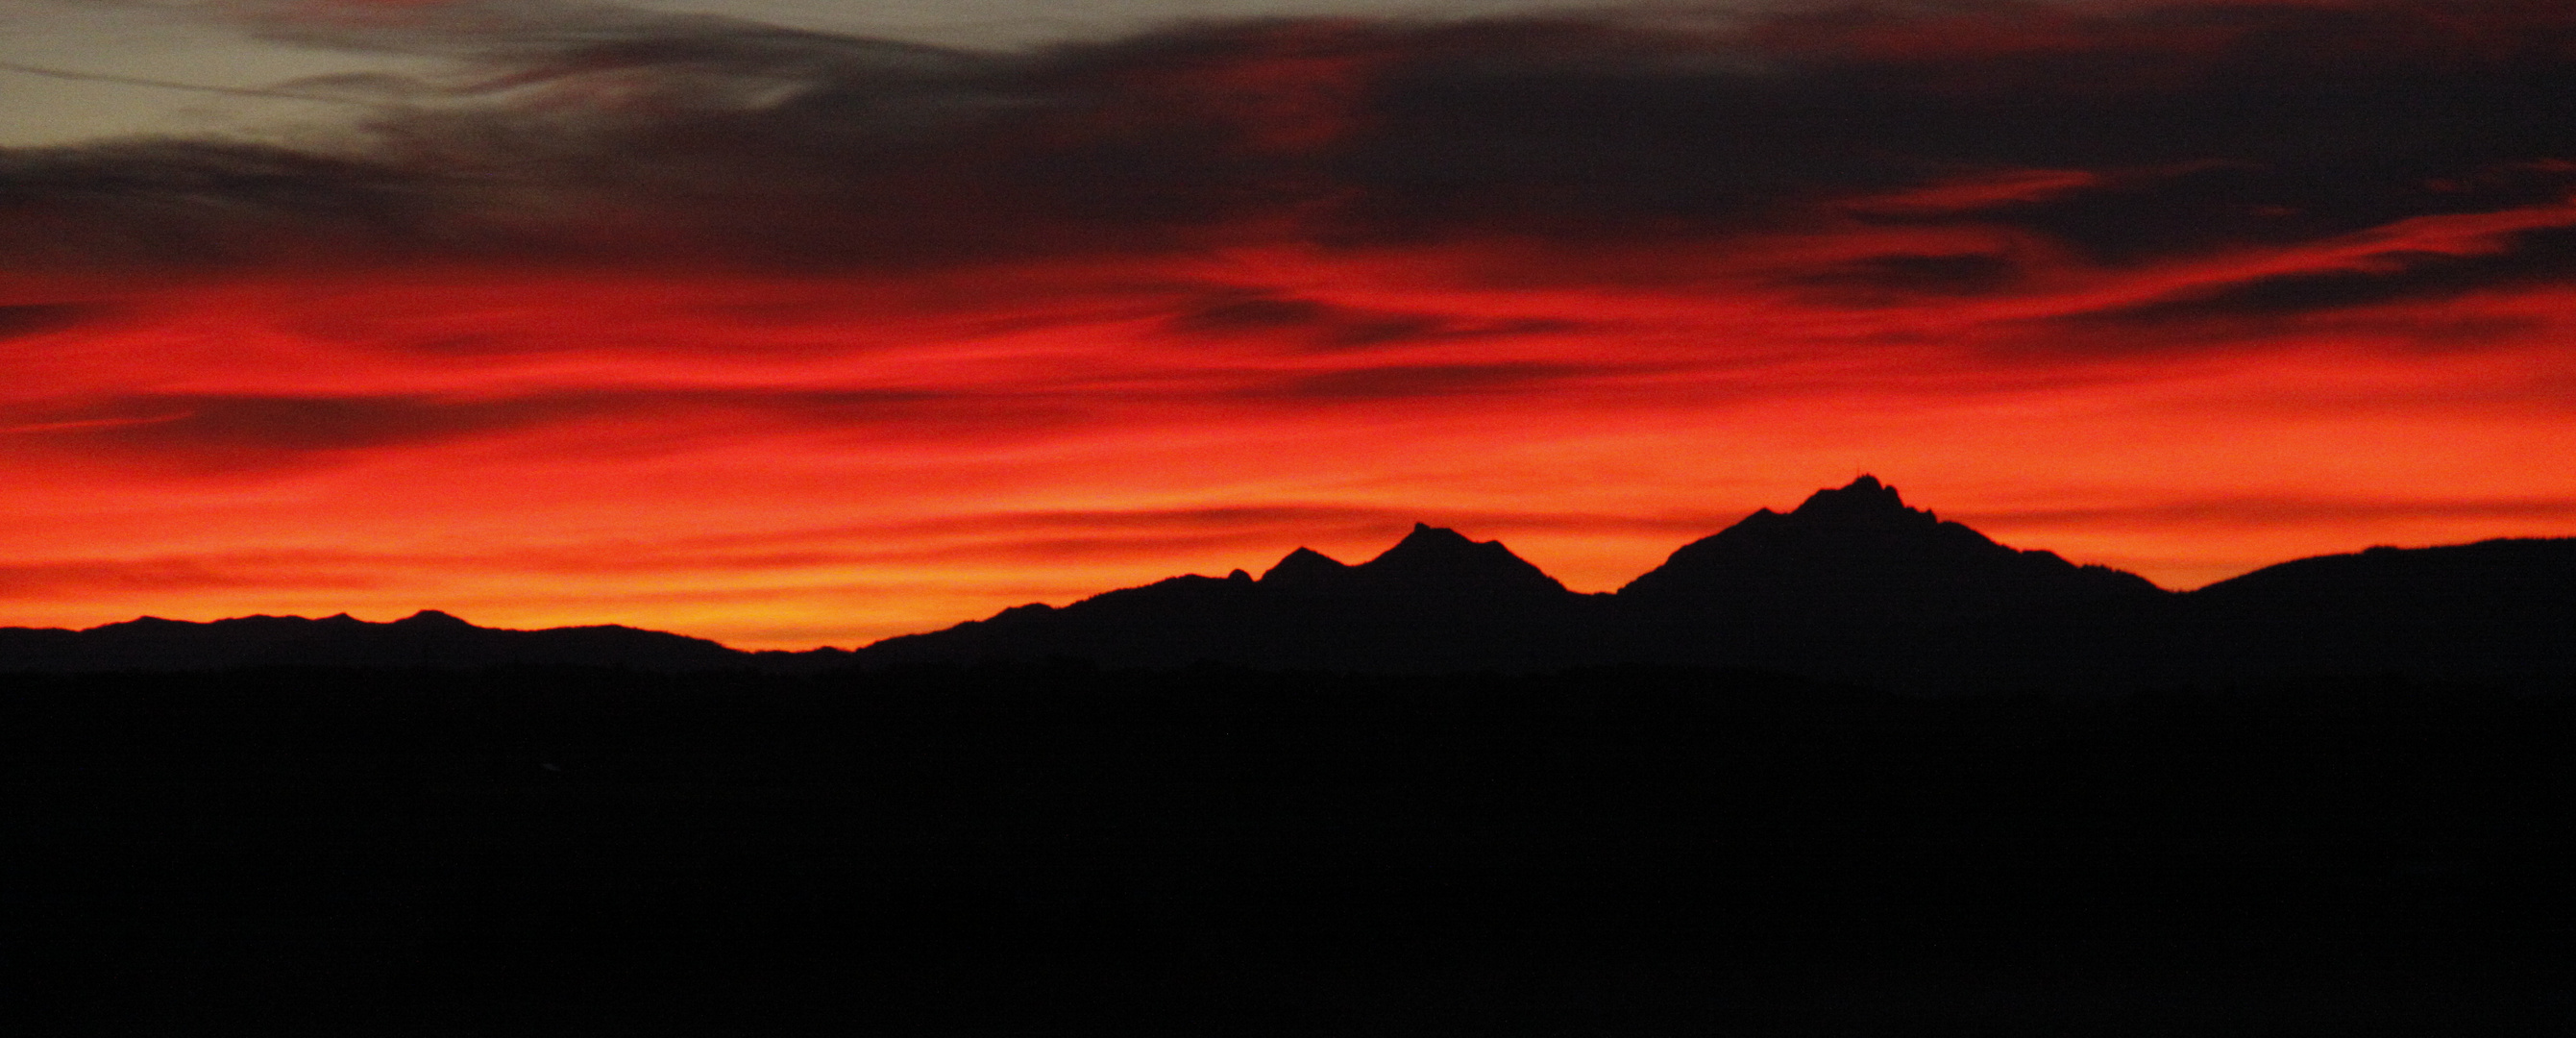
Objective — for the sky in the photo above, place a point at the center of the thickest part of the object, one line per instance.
(792, 323)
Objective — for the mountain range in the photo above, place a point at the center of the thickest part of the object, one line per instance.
(1853, 584)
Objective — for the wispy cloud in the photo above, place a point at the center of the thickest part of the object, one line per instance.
(611, 305)
(2127, 132)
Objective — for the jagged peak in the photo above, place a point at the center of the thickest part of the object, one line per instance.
(1429, 555)
(1865, 531)
(1444, 555)
(1863, 496)
(1304, 564)
(1425, 535)
(1428, 542)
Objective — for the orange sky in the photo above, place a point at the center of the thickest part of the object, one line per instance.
(643, 421)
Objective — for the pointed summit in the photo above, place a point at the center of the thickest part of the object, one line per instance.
(1860, 548)
(1431, 559)
(1437, 558)
(1865, 500)
(1306, 567)
(1426, 540)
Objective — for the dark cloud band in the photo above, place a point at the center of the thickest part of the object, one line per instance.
(605, 134)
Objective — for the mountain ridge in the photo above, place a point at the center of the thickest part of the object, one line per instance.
(1852, 584)
(1861, 546)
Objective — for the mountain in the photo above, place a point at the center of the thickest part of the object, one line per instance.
(1440, 564)
(1861, 551)
(1434, 601)
(1853, 584)
(1856, 584)
(2493, 610)
(426, 639)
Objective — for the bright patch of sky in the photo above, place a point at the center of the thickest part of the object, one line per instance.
(72, 71)
(80, 70)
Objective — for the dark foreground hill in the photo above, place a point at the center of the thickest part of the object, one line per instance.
(1853, 584)
(1074, 851)
(2495, 610)
(428, 638)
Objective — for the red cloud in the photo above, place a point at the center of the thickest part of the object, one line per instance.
(843, 338)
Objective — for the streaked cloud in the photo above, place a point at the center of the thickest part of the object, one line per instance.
(612, 314)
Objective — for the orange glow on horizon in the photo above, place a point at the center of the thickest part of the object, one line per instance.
(783, 461)
(787, 338)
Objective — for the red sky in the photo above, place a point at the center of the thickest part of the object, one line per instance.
(788, 339)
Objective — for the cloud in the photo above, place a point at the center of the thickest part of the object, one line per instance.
(1917, 274)
(18, 319)
(2525, 258)
(1329, 326)
(2279, 511)
(73, 579)
(615, 304)
(2123, 132)
(1253, 533)
(1398, 381)
(221, 432)
(191, 204)
(1230, 523)
(228, 430)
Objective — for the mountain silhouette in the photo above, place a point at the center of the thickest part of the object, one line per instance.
(1853, 584)
(1434, 601)
(1862, 550)
(425, 639)
(1443, 564)
(1856, 584)
(2494, 610)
